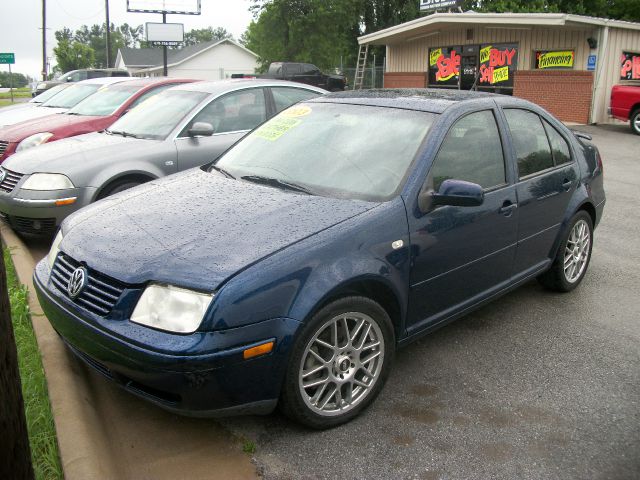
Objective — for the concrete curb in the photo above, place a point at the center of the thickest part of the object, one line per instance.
(105, 433)
(83, 454)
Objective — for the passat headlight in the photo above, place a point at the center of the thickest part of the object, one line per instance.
(47, 181)
(170, 308)
(55, 249)
(34, 140)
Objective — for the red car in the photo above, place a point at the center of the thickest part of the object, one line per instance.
(95, 113)
(625, 105)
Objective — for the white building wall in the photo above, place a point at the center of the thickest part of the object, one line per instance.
(216, 63)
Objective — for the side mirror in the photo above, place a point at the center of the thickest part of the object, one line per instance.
(200, 129)
(457, 193)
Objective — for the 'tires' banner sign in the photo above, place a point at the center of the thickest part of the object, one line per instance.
(495, 63)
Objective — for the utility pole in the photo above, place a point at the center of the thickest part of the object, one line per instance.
(44, 39)
(164, 49)
(106, 9)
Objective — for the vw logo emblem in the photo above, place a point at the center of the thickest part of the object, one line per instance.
(77, 282)
(2, 175)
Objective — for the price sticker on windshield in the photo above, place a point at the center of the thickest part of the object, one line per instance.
(277, 127)
(298, 111)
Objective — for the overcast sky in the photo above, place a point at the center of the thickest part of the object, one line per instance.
(21, 20)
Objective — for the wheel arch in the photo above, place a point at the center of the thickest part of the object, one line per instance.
(142, 177)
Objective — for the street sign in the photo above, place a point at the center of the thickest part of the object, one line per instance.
(591, 63)
(7, 58)
(428, 5)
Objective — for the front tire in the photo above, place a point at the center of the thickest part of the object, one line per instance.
(339, 363)
(572, 260)
(118, 187)
(635, 121)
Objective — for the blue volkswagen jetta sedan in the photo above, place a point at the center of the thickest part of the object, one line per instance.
(347, 226)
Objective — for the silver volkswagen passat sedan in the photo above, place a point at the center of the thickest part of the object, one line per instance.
(183, 127)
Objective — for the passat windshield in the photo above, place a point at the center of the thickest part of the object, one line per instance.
(47, 94)
(105, 101)
(71, 96)
(331, 149)
(156, 117)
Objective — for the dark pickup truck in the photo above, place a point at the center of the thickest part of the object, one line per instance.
(625, 105)
(305, 73)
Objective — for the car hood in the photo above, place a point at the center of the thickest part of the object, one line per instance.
(14, 116)
(60, 125)
(196, 229)
(76, 154)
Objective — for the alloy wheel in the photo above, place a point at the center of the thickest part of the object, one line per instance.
(576, 253)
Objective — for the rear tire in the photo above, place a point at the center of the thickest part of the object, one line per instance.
(635, 121)
(339, 363)
(573, 257)
(118, 187)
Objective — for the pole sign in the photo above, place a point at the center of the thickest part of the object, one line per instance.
(630, 66)
(7, 58)
(174, 7)
(554, 59)
(430, 5)
(168, 34)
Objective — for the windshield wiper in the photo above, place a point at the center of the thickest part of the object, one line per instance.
(223, 171)
(274, 182)
(122, 132)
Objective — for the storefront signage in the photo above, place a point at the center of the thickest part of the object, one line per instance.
(591, 63)
(428, 5)
(498, 63)
(554, 59)
(444, 66)
(630, 66)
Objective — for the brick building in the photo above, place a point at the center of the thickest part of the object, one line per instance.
(565, 63)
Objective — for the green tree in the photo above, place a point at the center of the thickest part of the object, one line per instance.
(208, 34)
(71, 55)
(18, 80)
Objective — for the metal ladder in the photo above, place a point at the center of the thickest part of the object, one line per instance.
(358, 80)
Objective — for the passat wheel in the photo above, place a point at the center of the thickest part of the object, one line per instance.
(573, 256)
(339, 363)
(635, 121)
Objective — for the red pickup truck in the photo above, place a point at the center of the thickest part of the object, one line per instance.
(625, 105)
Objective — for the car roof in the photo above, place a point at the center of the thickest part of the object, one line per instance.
(102, 81)
(434, 100)
(222, 86)
(147, 81)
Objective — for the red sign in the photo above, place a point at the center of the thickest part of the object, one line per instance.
(630, 66)
(495, 63)
(448, 67)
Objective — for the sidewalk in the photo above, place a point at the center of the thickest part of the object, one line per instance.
(105, 433)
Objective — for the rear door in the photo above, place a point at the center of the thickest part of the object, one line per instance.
(232, 116)
(462, 253)
(547, 177)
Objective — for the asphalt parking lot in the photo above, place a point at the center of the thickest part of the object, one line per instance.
(535, 385)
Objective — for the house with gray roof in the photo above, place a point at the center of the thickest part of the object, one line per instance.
(214, 60)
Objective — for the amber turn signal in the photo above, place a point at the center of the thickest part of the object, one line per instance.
(257, 350)
(65, 201)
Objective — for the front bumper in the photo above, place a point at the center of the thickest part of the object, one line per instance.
(36, 212)
(201, 374)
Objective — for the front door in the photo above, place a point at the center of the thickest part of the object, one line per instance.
(232, 117)
(461, 253)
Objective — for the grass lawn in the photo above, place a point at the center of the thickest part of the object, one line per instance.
(42, 434)
(17, 93)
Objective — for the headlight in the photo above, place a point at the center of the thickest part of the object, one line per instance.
(47, 181)
(34, 140)
(55, 249)
(170, 308)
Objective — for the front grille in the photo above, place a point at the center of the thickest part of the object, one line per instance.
(36, 226)
(10, 181)
(99, 296)
(3, 147)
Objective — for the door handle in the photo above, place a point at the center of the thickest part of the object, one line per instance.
(566, 185)
(508, 208)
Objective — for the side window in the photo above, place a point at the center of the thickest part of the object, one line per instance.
(310, 69)
(96, 74)
(293, 69)
(243, 110)
(150, 93)
(284, 97)
(559, 146)
(75, 77)
(530, 141)
(471, 151)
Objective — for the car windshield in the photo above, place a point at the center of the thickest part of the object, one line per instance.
(71, 96)
(156, 117)
(105, 101)
(47, 94)
(339, 150)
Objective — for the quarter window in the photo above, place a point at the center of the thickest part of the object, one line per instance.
(242, 110)
(472, 151)
(559, 146)
(285, 97)
(530, 141)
